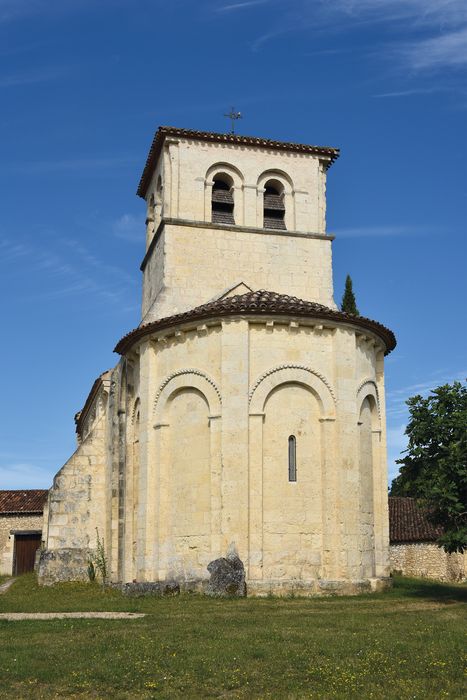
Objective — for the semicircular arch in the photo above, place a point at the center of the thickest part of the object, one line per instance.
(228, 169)
(276, 174)
(368, 388)
(293, 374)
(189, 378)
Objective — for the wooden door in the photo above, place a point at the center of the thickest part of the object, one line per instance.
(26, 547)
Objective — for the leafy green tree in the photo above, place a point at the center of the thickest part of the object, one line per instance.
(434, 469)
(349, 305)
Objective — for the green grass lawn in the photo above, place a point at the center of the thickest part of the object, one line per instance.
(407, 643)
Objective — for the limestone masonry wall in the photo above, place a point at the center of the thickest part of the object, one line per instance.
(428, 560)
(76, 503)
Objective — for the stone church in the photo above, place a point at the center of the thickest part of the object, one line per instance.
(246, 412)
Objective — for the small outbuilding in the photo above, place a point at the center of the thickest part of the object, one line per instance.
(413, 550)
(21, 516)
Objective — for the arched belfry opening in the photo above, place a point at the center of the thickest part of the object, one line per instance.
(222, 200)
(274, 207)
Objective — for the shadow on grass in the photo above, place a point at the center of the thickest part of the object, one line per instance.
(430, 590)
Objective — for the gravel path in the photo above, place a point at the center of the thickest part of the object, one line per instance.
(71, 615)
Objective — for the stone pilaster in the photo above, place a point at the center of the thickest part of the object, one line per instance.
(347, 454)
(235, 358)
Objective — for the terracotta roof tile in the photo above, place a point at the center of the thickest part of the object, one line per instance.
(30, 501)
(257, 303)
(408, 522)
(331, 154)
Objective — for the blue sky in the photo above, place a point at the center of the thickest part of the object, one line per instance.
(83, 86)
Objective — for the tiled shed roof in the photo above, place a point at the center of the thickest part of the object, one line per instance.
(408, 522)
(331, 154)
(257, 303)
(30, 501)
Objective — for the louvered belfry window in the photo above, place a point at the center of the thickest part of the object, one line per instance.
(274, 209)
(222, 202)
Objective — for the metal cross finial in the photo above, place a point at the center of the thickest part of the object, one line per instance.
(233, 116)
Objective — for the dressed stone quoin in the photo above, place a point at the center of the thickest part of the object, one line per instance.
(246, 414)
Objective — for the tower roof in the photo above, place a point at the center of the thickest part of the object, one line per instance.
(327, 152)
(254, 304)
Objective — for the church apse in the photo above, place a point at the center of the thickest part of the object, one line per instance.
(246, 413)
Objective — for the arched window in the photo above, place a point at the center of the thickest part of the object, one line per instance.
(222, 200)
(292, 458)
(274, 209)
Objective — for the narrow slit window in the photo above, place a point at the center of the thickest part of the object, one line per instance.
(292, 458)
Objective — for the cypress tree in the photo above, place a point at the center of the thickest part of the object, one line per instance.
(349, 305)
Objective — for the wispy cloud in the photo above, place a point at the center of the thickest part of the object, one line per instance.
(422, 13)
(129, 228)
(431, 34)
(12, 251)
(75, 165)
(396, 399)
(240, 5)
(380, 231)
(437, 379)
(20, 48)
(25, 475)
(71, 270)
(328, 52)
(263, 39)
(11, 10)
(444, 51)
(34, 77)
(414, 91)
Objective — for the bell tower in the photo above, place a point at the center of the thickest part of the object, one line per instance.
(225, 210)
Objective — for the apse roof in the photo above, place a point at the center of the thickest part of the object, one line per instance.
(254, 304)
(328, 152)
